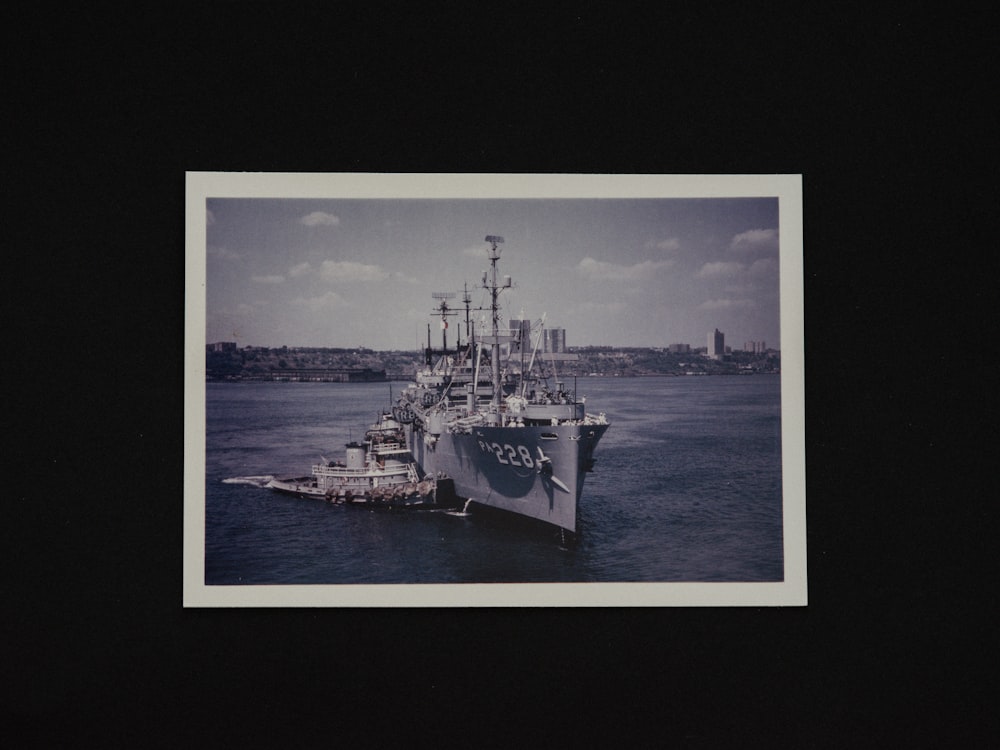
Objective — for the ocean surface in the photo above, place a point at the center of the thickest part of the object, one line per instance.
(687, 487)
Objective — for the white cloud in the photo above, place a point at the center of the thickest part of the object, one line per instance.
(345, 270)
(330, 299)
(755, 241)
(222, 253)
(670, 245)
(602, 271)
(267, 279)
(764, 267)
(320, 219)
(721, 268)
(301, 269)
(727, 304)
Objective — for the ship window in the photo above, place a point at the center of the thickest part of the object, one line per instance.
(549, 436)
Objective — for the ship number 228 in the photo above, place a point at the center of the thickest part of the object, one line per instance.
(508, 454)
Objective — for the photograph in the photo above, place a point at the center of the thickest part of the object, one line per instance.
(494, 390)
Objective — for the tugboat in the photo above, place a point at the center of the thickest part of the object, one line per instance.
(508, 440)
(380, 472)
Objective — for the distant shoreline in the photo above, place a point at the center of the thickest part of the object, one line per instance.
(227, 363)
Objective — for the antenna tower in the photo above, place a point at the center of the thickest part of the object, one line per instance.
(445, 313)
(491, 284)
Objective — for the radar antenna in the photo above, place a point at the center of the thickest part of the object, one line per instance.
(494, 240)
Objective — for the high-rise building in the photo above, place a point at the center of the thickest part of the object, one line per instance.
(716, 345)
(679, 348)
(555, 340)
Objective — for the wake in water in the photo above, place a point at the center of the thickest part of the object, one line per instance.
(258, 481)
(461, 513)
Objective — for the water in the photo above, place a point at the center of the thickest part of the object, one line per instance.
(687, 487)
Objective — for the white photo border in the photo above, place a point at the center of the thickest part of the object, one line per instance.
(791, 591)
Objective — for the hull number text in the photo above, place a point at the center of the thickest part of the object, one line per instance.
(508, 454)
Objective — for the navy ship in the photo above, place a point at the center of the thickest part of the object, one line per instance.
(491, 417)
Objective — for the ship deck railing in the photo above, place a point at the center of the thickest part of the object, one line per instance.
(344, 473)
(347, 472)
(382, 449)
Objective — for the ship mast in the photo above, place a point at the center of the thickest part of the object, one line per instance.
(444, 311)
(494, 254)
(467, 300)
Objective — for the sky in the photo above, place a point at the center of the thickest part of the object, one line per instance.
(611, 272)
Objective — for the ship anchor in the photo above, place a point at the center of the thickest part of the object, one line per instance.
(545, 469)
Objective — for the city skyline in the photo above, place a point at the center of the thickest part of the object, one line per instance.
(644, 272)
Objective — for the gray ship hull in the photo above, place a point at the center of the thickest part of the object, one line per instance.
(533, 471)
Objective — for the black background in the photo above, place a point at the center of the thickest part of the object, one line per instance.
(885, 116)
